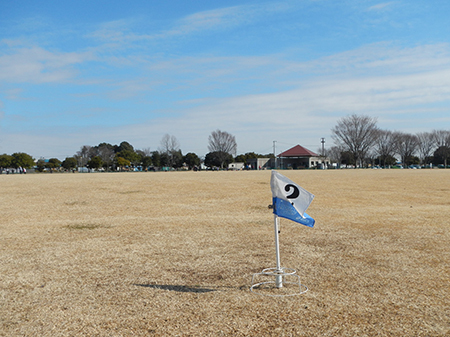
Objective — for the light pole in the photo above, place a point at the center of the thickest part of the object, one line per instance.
(274, 153)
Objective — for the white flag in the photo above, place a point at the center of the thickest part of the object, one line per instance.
(290, 201)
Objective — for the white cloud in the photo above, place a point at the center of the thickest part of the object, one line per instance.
(403, 83)
(115, 35)
(379, 58)
(381, 6)
(13, 93)
(379, 80)
(224, 18)
(208, 20)
(121, 33)
(305, 114)
(37, 65)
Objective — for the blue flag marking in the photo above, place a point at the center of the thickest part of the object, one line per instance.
(284, 209)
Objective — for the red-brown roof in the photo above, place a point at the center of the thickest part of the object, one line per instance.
(298, 151)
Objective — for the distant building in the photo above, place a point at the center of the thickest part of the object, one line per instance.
(236, 166)
(299, 157)
(259, 163)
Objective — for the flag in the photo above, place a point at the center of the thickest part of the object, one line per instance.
(290, 201)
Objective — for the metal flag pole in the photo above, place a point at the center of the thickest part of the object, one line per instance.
(285, 194)
(278, 278)
(283, 276)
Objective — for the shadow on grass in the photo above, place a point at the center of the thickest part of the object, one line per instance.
(181, 289)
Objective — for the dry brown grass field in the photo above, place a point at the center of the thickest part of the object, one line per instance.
(173, 254)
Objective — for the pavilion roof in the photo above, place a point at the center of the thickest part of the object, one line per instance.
(298, 151)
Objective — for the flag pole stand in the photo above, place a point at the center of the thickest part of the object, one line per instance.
(279, 271)
(278, 276)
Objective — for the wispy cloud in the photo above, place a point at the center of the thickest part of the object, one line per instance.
(381, 6)
(114, 32)
(37, 65)
(379, 58)
(121, 33)
(13, 93)
(203, 22)
(208, 20)
(225, 18)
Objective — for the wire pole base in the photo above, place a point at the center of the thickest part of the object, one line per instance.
(277, 283)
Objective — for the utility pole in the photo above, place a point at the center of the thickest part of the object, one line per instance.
(323, 147)
(274, 153)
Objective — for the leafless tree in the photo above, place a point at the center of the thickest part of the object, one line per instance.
(334, 153)
(146, 152)
(371, 157)
(223, 143)
(84, 155)
(426, 144)
(405, 145)
(441, 137)
(356, 134)
(169, 146)
(384, 145)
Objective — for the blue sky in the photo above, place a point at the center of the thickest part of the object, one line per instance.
(76, 73)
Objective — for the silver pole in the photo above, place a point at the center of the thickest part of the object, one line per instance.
(274, 155)
(278, 278)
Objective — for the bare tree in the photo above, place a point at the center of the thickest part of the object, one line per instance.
(405, 145)
(442, 139)
(371, 157)
(426, 144)
(84, 155)
(356, 134)
(223, 143)
(384, 145)
(146, 151)
(334, 153)
(170, 146)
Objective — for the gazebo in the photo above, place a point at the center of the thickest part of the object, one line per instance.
(299, 157)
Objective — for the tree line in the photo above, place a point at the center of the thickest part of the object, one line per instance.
(108, 157)
(360, 142)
